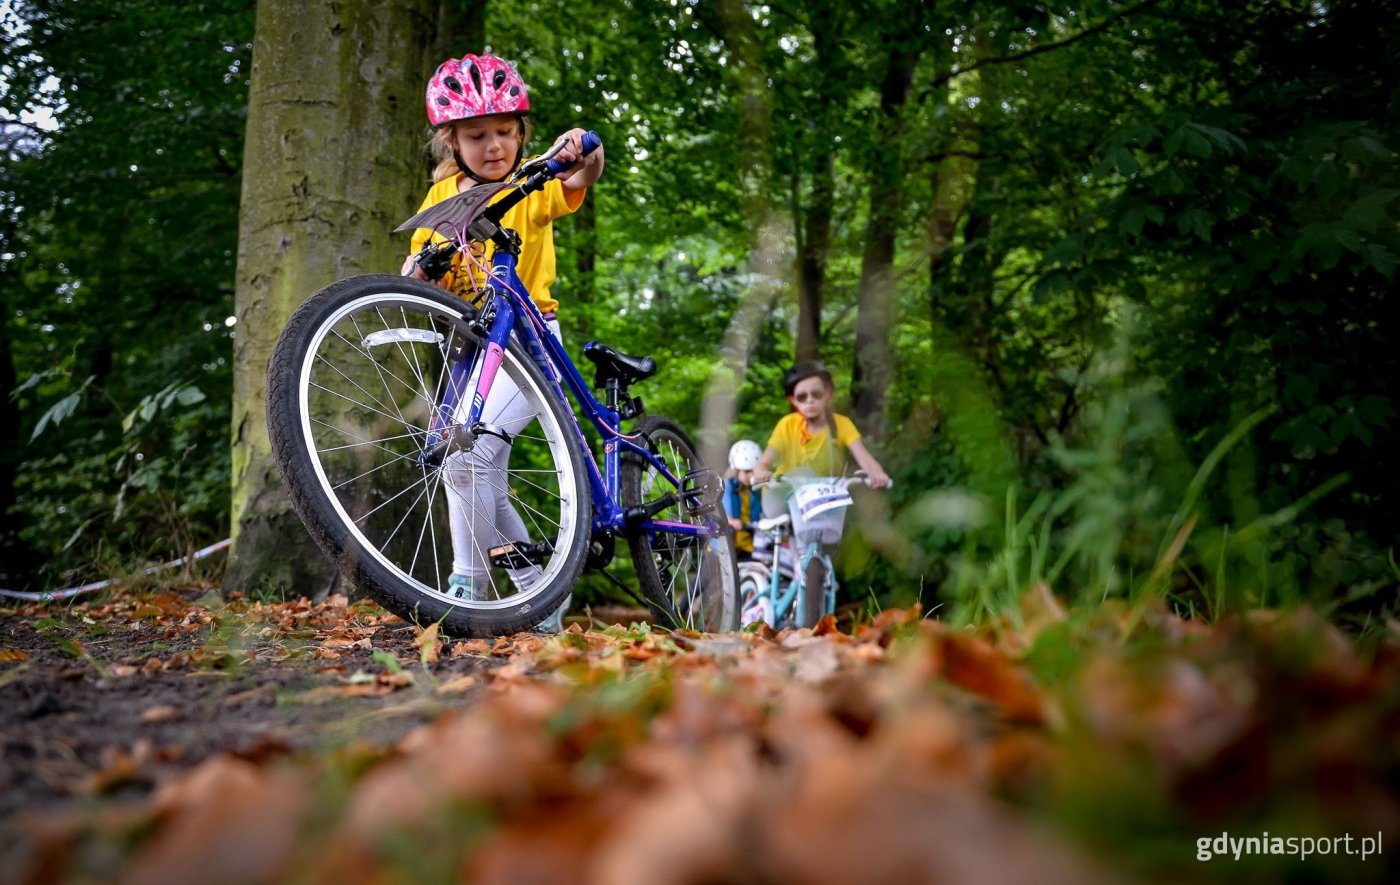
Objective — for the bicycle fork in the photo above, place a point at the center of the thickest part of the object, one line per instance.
(474, 369)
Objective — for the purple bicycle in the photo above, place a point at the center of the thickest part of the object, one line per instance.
(410, 474)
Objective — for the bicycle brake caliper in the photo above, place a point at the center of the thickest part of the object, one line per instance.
(701, 491)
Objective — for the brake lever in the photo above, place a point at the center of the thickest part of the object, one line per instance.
(539, 164)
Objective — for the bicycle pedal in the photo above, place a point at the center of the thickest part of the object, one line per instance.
(520, 554)
(701, 491)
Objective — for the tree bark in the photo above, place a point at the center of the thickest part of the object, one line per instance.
(331, 165)
(875, 303)
(11, 546)
(814, 240)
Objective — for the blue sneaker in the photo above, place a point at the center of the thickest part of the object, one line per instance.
(462, 587)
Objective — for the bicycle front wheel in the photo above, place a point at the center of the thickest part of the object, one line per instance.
(487, 536)
(815, 574)
(690, 581)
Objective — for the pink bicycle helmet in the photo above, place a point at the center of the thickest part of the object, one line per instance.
(475, 86)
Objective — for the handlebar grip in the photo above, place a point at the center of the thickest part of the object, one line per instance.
(591, 142)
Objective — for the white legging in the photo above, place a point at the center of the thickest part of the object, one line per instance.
(479, 507)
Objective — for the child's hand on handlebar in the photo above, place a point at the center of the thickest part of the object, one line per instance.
(761, 475)
(568, 149)
(878, 479)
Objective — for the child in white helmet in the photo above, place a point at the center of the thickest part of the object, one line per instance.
(738, 493)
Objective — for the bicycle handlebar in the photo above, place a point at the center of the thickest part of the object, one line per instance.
(591, 142)
(855, 479)
(436, 260)
(536, 179)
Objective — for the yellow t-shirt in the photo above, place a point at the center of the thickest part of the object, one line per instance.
(798, 447)
(532, 218)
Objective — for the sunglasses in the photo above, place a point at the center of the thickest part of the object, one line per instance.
(806, 396)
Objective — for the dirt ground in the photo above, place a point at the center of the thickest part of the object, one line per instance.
(109, 698)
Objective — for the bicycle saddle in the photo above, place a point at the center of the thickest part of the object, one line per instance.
(614, 364)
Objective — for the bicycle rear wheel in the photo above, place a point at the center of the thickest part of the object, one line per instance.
(354, 384)
(689, 581)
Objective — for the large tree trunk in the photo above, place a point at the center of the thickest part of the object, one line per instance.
(826, 23)
(874, 365)
(814, 247)
(331, 165)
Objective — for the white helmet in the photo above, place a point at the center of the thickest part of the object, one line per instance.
(744, 455)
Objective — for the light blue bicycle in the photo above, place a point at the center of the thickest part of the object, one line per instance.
(797, 585)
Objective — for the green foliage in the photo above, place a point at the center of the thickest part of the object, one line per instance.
(118, 279)
(1228, 171)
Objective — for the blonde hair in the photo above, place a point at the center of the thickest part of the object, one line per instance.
(441, 147)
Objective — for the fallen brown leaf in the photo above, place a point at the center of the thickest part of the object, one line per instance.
(427, 643)
(161, 713)
(977, 666)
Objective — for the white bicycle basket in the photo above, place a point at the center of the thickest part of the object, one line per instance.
(818, 512)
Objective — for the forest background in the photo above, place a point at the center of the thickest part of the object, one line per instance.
(1102, 282)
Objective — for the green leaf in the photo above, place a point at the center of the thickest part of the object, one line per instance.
(1327, 178)
(1382, 259)
(1367, 212)
(1226, 141)
(1194, 221)
(1118, 158)
(56, 413)
(1375, 410)
(1139, 214)
(1300, 389)
(31, 381)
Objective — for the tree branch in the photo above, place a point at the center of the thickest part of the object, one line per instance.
(1035, 50)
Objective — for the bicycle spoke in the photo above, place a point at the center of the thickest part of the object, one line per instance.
(367, 442)
(378, 370)
(397, 455)
(360, 404)
(357, 385)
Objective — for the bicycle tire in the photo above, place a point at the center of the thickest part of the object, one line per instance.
(685, 585)
(347, 440)
(814, 577)
(754, 580)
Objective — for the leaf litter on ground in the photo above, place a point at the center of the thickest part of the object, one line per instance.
(1051, 745)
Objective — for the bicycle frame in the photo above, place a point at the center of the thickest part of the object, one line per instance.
(784, 599)
(511, 311)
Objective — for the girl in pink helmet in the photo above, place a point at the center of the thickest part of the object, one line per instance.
(477, 106)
